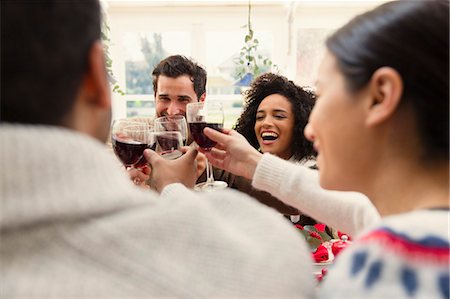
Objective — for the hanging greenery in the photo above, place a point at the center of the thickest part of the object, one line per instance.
(250, 61)
(108, 61)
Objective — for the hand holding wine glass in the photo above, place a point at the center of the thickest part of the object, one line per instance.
(129, 139)
(165, 172)
(199, 116)
(235, 154)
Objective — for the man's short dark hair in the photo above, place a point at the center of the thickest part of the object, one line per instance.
(44, 56)
(178, 65)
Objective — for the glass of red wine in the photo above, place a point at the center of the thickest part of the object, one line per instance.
(172, 123)
(129, 139)
(168, 144)
(200, 115)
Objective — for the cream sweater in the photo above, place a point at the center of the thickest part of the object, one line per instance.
(73, 226)
(298, 186)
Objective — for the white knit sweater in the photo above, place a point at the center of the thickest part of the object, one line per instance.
(73, 226)
(297, 186)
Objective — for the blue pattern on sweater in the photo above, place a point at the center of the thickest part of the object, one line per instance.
(409, 280)
(443, 285)
(374, 273)
(358, 262)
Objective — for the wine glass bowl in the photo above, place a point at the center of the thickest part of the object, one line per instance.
(199, 116)
(129, 139)
(172, 123)
(168, 144)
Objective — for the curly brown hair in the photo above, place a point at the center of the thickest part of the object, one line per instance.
(302, 102)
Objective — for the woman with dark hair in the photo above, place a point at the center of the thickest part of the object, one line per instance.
(381, 127)
(275, 114)
(275, 91)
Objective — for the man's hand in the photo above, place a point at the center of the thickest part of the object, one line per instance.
(164, 172)
(201, 164)
(232, 153)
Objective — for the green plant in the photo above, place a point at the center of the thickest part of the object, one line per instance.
(249, 59)
(108, 61)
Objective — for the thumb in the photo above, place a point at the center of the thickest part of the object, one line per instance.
(151, 156)
(190, 155)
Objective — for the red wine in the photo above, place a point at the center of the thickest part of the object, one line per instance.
(200, 138)
(168, 143)
(131, 154)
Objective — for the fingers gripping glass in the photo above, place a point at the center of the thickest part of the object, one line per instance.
(200, 115)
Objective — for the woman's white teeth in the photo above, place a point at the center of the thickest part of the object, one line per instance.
(269, 136)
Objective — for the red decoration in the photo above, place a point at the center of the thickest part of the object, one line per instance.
(321, 254)
(320, 227)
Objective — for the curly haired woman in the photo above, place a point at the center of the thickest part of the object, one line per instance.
(275, 114)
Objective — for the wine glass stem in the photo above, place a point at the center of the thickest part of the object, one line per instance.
(209, 173)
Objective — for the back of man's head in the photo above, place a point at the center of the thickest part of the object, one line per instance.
(178, 65)
(44, 56)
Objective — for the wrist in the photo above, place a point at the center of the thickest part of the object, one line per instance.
(252, 162)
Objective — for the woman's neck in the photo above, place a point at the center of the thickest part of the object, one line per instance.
(401, 187)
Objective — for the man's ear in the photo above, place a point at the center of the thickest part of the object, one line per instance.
(386, 89)
(96, 86)
(202, 97)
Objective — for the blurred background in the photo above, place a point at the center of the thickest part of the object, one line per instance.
(234, 40)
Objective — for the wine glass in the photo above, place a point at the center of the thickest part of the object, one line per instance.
(200, 115)
(129, 139)
(172, 123)
(168, 144)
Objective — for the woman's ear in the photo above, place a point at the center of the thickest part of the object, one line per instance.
(386, 88)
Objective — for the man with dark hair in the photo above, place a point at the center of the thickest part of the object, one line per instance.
(73, 225)
(177, 81)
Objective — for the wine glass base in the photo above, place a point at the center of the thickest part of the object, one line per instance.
(216, 185)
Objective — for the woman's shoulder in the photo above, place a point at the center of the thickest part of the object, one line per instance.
(397, 257)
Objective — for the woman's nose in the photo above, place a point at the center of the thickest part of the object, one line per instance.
(266, 122)
(308, 132)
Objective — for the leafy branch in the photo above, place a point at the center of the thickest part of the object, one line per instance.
(108, 61)
(249, 60)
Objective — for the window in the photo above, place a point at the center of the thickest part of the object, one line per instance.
(145, 50)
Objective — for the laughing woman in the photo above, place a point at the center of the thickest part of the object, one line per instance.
(275, 114)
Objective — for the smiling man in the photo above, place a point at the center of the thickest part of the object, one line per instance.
(177, 81)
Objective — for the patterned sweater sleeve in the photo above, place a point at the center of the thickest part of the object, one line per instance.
(298, 186)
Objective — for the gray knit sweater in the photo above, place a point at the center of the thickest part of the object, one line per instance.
(73, 226)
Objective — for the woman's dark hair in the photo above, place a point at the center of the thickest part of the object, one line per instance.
(302, 102)
(413, 38)
(45, 47)
(178, 65)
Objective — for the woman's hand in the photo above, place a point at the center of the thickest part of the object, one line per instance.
(165, 172)
(232, 153)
